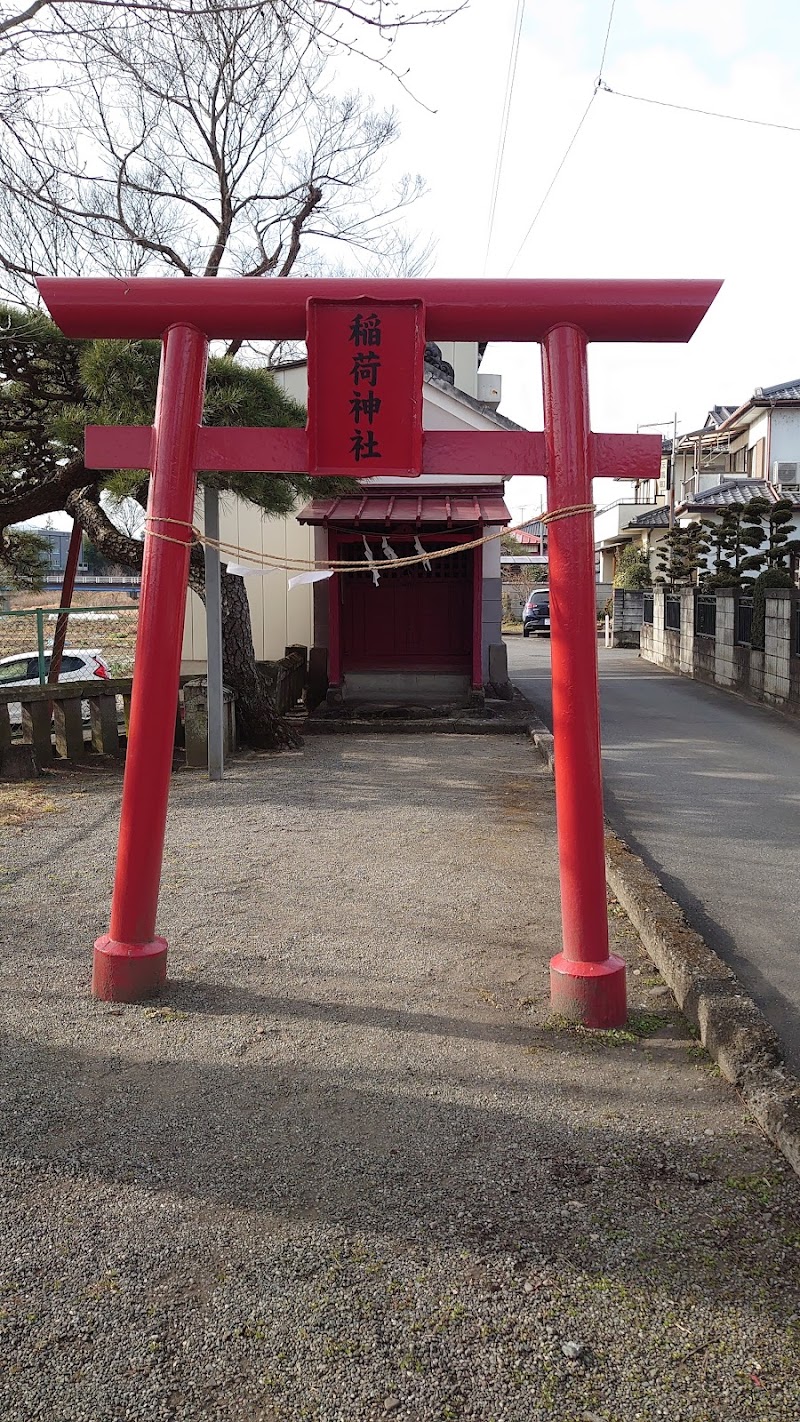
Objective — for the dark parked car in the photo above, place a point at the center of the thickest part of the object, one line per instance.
(536, 617)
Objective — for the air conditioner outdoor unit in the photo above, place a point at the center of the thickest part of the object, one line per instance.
(785, 473)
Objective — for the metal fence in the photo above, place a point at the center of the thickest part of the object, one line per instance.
(705, 615)
(27, 632)
(672, 612)
(647, 608)
(744, 621)
(796, 640)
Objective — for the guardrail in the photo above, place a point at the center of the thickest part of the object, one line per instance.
(50, 719)
(77, 720)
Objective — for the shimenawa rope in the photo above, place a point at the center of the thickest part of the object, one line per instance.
(295, 565)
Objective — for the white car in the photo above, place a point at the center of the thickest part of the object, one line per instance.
(23, 670)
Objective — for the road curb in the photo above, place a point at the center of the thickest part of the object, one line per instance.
(732, 1028)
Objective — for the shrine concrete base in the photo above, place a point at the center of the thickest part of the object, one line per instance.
(418, 686)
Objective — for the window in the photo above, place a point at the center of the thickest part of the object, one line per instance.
(14, 671)
(68, 664)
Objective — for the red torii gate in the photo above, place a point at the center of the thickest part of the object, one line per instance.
(587, 983)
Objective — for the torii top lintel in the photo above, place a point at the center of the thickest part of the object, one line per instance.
(256, 308)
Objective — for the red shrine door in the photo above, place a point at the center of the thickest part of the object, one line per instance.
(414, 620)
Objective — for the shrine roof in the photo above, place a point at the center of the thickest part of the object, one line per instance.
(446, 508)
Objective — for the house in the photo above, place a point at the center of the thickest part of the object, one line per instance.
(757, 440)
(423, 630)
(533, 537)
(740, 452)
(616, 525)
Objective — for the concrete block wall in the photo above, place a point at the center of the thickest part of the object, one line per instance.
(771, 675)
(627, 619)
(686, 654)
(778, 646)
(727, 668)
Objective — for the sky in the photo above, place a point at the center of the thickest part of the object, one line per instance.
(645, 192)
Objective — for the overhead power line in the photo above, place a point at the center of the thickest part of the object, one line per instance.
(504, 121)
(572, 141)
(605, 43)
(553, 181)
(690, 109)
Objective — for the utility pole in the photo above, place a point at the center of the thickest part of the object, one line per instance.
(214, 689)
(664, 425)
(673, 470)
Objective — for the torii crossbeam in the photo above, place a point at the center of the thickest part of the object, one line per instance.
(587, 983)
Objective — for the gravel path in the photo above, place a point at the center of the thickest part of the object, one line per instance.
(346, 1169)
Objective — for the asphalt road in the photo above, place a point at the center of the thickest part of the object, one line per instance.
(707, 789)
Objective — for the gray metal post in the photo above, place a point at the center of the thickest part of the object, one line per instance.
(213, 637)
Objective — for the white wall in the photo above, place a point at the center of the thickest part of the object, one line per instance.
(785, 447)
(758, 430)
(279, 617)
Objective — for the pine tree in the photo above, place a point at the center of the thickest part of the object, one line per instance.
(681, 555)
(753, 536)
(780, 544)
(24, 560)
(51, 388)
(737, 528)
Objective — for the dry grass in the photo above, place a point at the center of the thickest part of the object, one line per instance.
(19, 804)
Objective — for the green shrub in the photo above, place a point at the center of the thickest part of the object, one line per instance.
(770, 578)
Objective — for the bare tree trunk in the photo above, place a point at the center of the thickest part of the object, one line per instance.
(258, 721)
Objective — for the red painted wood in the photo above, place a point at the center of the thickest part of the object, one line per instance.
(389, 511)
(413, 620)
(251, 451)
(365, 369)
(629, 456)
(148, 765)
(456, 310)
(464, 452)
(501, 453)
(585, 981)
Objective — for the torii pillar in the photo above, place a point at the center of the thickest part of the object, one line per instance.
(587, 983)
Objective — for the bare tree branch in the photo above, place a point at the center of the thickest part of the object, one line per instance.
(199, 144)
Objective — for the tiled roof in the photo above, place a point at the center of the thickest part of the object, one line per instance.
(656, 518)
(718, 414)
(733, 491)
(788, 391)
